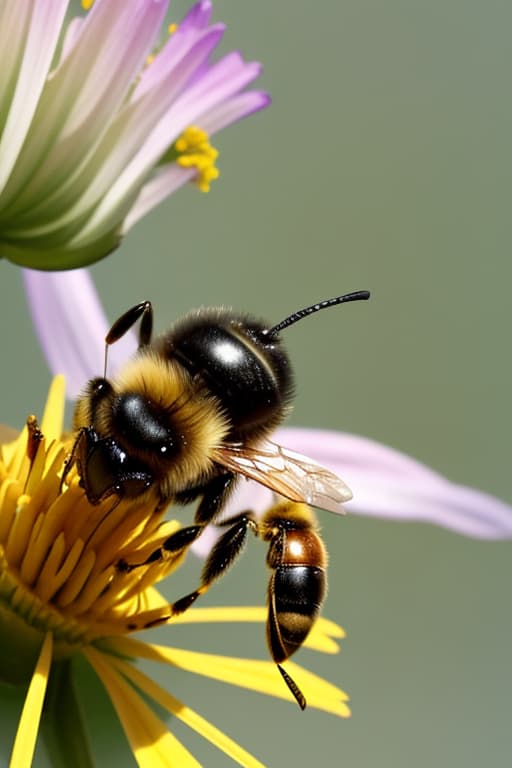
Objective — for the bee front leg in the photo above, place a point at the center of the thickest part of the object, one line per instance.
(72, 459)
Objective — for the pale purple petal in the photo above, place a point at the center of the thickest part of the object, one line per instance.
(210, 90)
(71, 35)
(71, 326)
(123, 186)
(389, 484)
(178, 43)
(168, 179)
(385, 483)
(237, 107)
(171, 177)
(198, 16)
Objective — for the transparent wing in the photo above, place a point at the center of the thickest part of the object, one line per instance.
(288, 473)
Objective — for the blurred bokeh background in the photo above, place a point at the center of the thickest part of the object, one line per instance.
(383, 163)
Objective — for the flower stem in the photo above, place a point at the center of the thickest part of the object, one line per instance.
(63, 725)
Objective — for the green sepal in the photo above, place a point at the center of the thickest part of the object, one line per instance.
(20, 645)
(60, 257)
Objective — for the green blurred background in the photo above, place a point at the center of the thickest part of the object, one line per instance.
(384, 163)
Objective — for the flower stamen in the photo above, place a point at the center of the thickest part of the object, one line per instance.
(195, 151)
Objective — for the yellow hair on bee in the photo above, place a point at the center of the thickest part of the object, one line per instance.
(301, 515)
(82, 416)
(192, 413)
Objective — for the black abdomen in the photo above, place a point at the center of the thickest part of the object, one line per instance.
(298, 592)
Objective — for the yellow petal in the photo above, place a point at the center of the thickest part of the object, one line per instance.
(152, 744)
(15, 454)
(256, 675)
(26, 735)
(187, 715)
(53, 417)
(319, 639)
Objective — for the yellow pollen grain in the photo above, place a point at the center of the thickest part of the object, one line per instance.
(195, 151)
(86, 4)
(172, 28)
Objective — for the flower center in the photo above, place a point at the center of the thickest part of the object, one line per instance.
(60, 555)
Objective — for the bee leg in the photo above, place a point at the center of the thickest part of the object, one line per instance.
(71, 460)
(177, 542)
(214, 497)
(222, 556)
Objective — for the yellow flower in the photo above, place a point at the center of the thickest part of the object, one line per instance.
(62, 596)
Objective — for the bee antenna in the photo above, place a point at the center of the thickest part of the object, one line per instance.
(295, 316)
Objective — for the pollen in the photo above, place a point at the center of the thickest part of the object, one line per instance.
(194, 150)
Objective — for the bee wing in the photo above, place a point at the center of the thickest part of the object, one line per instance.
(290, 474)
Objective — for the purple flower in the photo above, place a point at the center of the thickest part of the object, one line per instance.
(92, 140)
(385, 482)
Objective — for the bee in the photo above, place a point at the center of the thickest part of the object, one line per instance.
(183, 420)
(297, 586)
(193, 410)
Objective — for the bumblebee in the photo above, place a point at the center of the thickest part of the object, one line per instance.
(193, 410)
(182, 421)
